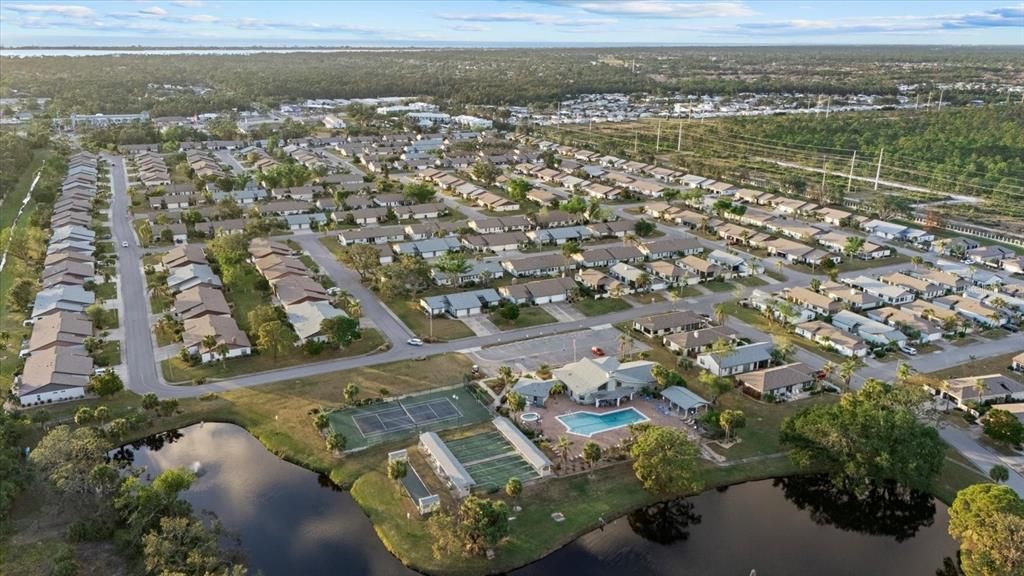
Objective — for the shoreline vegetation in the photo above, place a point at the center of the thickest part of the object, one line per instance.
(278, 415)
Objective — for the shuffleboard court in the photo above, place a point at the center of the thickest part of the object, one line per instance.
(490, 460)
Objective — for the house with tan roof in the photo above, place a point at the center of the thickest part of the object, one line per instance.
(986, 389)
(668, 323)
(820, 304)
(786, 381)
(693, 342)
(54, 374)
(59, 329)
(224, 331)
(200, 301)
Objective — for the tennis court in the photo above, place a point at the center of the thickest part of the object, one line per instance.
(407, 417)
(402, 416)
(490, 460)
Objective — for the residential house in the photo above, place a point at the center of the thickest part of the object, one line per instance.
(786, 380)
(671, 248)
(307, 319)
(54, 374)
(460, 304)
(199, 301)
(693, 342)
(987, 389)
(669, 323)
(547, 291)
(820, 304)
(537, 265)
(741, 359)
(830, 337)
(872, 331)
(921, 288)
(916, 328)
(224, 331)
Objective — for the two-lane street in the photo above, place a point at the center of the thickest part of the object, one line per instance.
(137, 346)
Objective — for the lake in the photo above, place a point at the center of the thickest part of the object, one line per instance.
(292, 521)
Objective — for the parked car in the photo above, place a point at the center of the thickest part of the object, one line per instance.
(124, 244)
(597, 351)
(414, 342)
(909, 350)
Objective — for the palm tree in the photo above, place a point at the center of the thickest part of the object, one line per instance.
(221, 350)
(625, 346)
(827, 370)
(209, 342)
(558, 388)
(916, 261)
(903, 373)
(846, 371)
(720, 313)
(563, 448)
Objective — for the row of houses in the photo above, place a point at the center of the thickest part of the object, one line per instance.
(210, 331)
(750, 363)
(150, 169)
(305, 301)
(57, 365)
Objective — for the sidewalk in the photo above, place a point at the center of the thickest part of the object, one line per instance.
(981, 456)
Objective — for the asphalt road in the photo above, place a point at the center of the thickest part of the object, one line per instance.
(348, 280)
(137, 345)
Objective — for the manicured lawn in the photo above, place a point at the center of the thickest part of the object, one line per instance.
(599, 306)
(761, 434)
(106, 291)
(688, 291)
(413, 316)
(752, 281)
(110, 355)
(775, 274)
(528, 316)
(719, 286)
(108, 320)
(174, 370)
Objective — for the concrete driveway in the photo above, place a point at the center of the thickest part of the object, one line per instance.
(528, 355)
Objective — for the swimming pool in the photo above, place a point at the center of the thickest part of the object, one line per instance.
(589, 423)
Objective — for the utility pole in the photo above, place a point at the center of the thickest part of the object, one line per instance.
(917, 101)
(878, 172)
(824, 173)
(828, 107)
(928, 106)
(941, 94)
(657, 143)
(679, 140)
(636, 142)
(849, 181)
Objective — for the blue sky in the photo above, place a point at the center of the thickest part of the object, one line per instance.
(220, 22)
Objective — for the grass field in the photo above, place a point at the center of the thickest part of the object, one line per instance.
(599, 306)
(528, 316)
(754, 318)
(413, 316)
(688, 292)
(469, 411)
(174, 370)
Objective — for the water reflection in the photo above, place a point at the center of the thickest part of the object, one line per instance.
(798, 526)
(286, 521)
(664, 522)
(884, 509)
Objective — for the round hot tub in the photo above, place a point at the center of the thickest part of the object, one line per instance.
(529, 417)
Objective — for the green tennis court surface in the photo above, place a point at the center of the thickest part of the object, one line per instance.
(491, 460)
(406, 418)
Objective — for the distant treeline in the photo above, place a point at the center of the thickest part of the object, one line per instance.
(119, 83)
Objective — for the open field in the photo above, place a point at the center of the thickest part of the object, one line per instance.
(992, 365)
(175, 370)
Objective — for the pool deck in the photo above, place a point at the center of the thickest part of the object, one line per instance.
(550, 426)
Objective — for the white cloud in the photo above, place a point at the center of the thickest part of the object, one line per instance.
(528, 17)
(69, 10)
(663, 8)
(188, 3)
(468, 28)
(154, 11)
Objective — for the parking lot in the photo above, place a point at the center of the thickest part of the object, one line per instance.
(528, 355)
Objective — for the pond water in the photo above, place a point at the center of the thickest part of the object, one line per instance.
(291, 521)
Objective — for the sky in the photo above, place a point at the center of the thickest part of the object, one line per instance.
(512, 22)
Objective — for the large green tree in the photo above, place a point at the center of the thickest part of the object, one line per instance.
(988, 521)
(68, 456)
(478, 524)
(665, 460)
(871, 434)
